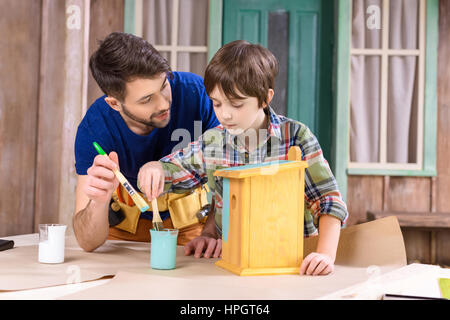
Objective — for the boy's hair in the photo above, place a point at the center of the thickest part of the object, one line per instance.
(242, 66)
(123, 57)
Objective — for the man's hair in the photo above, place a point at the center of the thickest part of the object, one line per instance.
(241, 66)
(123, 57)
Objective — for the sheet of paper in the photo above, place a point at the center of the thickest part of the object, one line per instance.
(20, 269)
(420, 280)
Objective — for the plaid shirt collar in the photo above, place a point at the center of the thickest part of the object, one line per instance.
(273, 130)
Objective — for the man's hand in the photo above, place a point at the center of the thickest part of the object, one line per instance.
(211, 246)
(317, 264)
(93, 194)
(101, 180)
(151, 179)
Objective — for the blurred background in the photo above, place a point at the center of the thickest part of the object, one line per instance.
(371, 79)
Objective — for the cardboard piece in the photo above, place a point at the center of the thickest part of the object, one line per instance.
(378, 242)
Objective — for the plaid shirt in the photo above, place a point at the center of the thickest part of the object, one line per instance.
(218, 149)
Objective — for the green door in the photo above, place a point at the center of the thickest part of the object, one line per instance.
(300, 34)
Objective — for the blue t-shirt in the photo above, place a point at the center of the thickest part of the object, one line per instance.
(102, 124)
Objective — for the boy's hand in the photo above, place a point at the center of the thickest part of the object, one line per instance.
(317, 264)
(151, 179)
(101, 180)
(212, 247)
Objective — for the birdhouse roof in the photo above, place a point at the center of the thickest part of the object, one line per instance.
(266, 168)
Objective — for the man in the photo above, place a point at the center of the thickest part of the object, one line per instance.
(135, 122)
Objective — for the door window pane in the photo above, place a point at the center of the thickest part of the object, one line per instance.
(187, 51)
(402, 110)
(403, 24)
(278, 43)
(192, 62)
(157, 21)
(367, 21)
(365, 108)
(193, 23)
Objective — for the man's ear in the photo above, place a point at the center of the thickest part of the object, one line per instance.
(113, 103)
(270, 94)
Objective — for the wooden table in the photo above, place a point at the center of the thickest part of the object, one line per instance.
(414, 279)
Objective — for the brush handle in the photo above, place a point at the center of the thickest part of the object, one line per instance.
(156, 216)
(138, 200)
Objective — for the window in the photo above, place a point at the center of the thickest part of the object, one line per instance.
(388, 105)
(342, 92)
(178, 29)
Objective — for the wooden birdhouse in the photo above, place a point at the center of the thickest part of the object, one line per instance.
(263, 217)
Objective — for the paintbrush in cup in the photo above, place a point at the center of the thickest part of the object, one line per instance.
(157, 222)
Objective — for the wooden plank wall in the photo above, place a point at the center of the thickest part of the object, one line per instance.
(19, 96)
(51, 102)
(443, 140)
(106, 16)
(75, 92)
(416, 193)
(33, 106)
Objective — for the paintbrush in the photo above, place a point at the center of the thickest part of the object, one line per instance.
(138, 200)
(157, 222)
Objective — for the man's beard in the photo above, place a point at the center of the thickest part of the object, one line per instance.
(150, 122)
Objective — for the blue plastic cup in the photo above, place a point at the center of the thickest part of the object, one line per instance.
(163, 249)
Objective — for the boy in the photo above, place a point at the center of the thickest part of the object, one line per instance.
(240, 80)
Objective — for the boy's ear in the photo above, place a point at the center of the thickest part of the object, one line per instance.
(270, 94)
(113, 103)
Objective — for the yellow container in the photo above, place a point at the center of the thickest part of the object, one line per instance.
(263, 217)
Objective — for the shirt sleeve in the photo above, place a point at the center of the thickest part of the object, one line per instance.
(84, 150)
(185, 169)
(321, 189)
